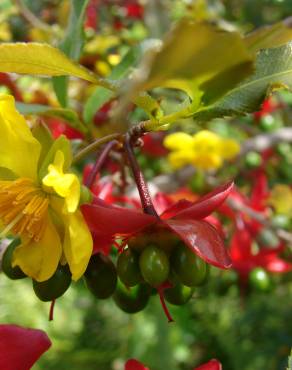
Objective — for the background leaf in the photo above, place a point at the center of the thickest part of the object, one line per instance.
(72, 45)
(40, 59)
(273, 71)
(194, 56)
(101, 95)
(269, 36)
(67, 115)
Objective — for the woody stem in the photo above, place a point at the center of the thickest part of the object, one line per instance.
(139, 178)
(100, 162)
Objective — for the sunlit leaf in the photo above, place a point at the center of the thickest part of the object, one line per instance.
(273, 71)
(101, 95)
(71, 45)
(199, 56)
(269, 36)
(40, 59)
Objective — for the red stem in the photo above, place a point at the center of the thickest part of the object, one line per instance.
(51, 314)
(139, 179)
(99, 163)
(163, 304)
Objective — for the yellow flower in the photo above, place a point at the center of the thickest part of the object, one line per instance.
(281, 199)
(204, 150)
(39, 200)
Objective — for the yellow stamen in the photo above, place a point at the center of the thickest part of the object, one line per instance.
(23, 208)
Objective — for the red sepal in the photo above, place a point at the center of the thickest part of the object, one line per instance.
(20, 347)
(207, 204)
(110, 220)
(203, 239)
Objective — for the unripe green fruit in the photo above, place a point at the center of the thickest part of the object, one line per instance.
(13, 273)
(268, 123)
(260, 280)
(54, 287)
(101, 276)
(128, 268)
(190, 269)
(131, 300)
(154, 265)
(179, 294)
(253, 159)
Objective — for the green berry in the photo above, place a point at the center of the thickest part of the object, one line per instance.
(54, 287)
(101, 276)
(179, 294)
(154, 265)
(13, 273)
(131, 300)
(190, 269)
(260, 280)
(128, 268)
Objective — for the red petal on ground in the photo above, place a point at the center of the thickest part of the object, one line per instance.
(211, 365)
(203, 239)
(108, 220)
(134, 365)
(207, 204)
(20, 347)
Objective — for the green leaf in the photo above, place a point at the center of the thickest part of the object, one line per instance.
(72, 46)
(67, 115)
(101, 95)
(199, 56)
(41, 59)
(269, 36)
(289, 362)
(273, 71)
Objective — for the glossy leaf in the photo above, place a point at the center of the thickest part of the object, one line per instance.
(203, 239)
(20, 347)
(269, 36)
(101, 95)
(273, 71)
(71, 45)
(67, 115)
(195, 55)
(40, 59)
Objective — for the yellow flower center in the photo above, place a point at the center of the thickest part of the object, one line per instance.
(23, 208)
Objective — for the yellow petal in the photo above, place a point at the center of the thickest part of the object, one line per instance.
(66, 185)
(78, 243)
(178, 140)
(180, 158)
(207, 161)
(206, 140)
(229, 148)
(39, 260)
(19, 150)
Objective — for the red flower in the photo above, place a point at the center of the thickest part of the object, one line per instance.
(244, 260)
(152, 144)
(268, 106)
(59, 127)
(210, 365)
(184, 218)
(20, 347)
(136, 365)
